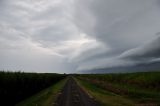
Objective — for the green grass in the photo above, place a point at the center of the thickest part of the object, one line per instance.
(134, 88)
(45, 97)
(137, 92)
(145, 80)
(105, 98)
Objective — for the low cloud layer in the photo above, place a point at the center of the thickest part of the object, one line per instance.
(78, 35)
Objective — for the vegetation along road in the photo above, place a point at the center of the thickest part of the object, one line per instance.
(120, 89)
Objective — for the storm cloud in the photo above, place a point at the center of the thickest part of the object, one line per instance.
(75, 35)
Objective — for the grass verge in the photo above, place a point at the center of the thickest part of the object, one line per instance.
(106, 98)
(45, 97)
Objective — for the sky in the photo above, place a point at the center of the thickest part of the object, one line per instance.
(70, 36)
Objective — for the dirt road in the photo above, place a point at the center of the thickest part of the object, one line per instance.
(73, 95)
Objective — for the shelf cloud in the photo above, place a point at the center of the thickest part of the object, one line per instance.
(67, 36)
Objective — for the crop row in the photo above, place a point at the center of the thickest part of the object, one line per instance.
(150, 80)
(16, 86)
(140, 87)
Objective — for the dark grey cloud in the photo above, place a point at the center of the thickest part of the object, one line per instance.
(125, 26)
(120, 23)
(143, 58)
(68, 35)
(148, 51)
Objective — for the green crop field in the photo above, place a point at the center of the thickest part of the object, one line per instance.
(17, 86)
(46, 97)
(128, 88)
(121, 89)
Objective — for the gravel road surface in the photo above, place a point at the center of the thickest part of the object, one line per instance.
(73, 95)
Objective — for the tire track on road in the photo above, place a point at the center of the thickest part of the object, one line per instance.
(73, 95)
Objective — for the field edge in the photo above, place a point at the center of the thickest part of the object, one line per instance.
(45, 97)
